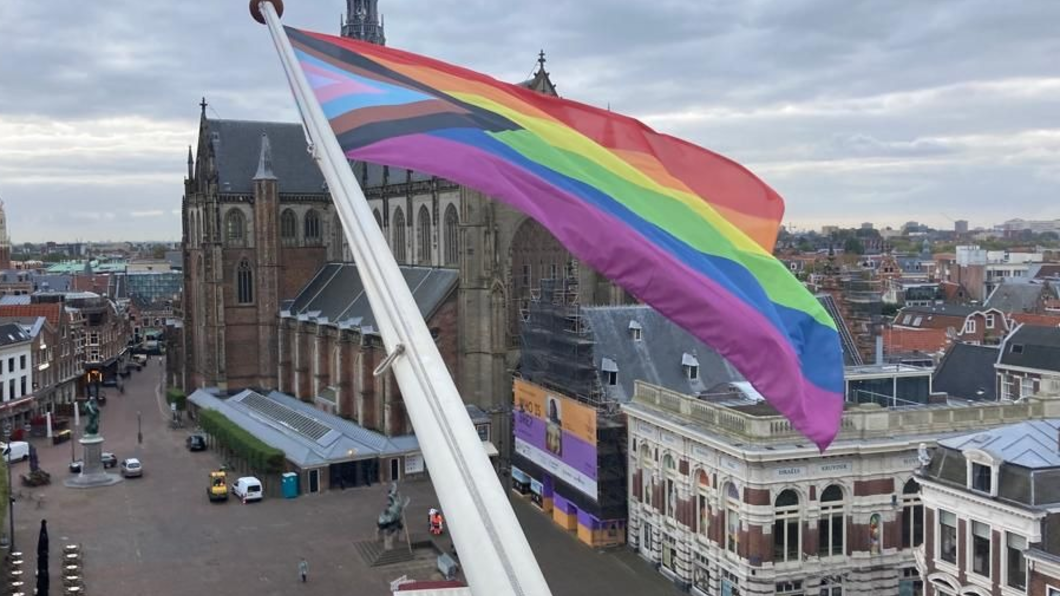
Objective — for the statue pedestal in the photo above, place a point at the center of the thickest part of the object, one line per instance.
(93, 474)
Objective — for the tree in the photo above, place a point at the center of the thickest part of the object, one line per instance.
(853, 246)
(158, 251)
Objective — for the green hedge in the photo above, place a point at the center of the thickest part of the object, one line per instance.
(177, 396)
(244, 445)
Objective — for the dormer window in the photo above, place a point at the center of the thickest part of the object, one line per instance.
(969, 326)
(609, 368)
(981, 477)
(635, 331)
(690, 364)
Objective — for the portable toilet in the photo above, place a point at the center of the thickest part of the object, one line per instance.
(289, 484)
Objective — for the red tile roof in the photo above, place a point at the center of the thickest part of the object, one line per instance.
(50, 311)
(928, 341)
(1037, 320)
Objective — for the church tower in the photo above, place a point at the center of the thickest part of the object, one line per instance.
(5, 242)
(363, 22)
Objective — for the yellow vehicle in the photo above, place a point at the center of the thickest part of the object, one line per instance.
(218, 489)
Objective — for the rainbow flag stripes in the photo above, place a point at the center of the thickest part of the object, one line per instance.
(683, 229)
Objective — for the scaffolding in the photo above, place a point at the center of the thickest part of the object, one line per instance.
(556, 346)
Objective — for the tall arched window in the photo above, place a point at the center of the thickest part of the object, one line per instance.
(670, 482)
(452, 247)
(423, 236)
(646, 465)
(235, 228)
(312, 228)
(399, 235)
(912, 515)
(288, 228)
(831, 528)
(244, 283)
(732, 518)
(378, 218)
(786, 527)
(702, 503)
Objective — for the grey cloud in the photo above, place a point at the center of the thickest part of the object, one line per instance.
(851, 108)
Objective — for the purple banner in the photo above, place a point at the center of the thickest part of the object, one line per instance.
(556, 443)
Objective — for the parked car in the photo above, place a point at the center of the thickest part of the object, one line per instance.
(196, 442)
(131, 468)
(109, 461)
(19, 451)
(247, 488)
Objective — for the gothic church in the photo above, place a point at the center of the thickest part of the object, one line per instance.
(259, 223)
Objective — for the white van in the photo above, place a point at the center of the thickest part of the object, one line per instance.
(19, 450)
(247, 488)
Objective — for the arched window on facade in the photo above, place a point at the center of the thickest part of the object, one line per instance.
(235, 228)
(831, 527)
(423, 236)
(786, 527)
(646, 468)
(288, 228)
(702, 503)
(732, 518)
(670, 482)
(912, 515)
(452, 246)
(398, 229)
(378, 218)
(312, 228)
(244, 283)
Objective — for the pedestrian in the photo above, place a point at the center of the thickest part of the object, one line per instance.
(303, 569)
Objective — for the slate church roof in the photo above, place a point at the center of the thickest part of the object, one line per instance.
(336, 295)
(237, 146)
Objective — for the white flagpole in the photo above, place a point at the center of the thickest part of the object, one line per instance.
(493, 550)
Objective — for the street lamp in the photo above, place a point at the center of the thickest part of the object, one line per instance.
(139, 429)
(10, 490)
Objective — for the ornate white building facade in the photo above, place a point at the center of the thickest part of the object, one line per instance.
(726, 498)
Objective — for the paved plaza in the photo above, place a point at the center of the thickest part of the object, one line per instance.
(159, 535)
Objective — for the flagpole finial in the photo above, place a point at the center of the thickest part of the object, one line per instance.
(255, 9)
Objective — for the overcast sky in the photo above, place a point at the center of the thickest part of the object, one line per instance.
(853, 110)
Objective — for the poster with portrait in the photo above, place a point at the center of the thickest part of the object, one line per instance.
(558, 434)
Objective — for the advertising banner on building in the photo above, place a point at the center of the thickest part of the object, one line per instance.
(558, 434)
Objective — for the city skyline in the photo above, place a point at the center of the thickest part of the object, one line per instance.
(852, 113)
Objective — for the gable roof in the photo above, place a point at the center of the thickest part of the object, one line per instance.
(12, 334)
(657, 357)
(1013, 297)
(51, 311)
(967, 371)
(1033, 347)
(336, 295)
(236, 146)
(897, 340)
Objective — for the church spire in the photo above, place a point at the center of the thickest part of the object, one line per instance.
(363, 22)
(265, 160)
(191, 164)
(540, 81)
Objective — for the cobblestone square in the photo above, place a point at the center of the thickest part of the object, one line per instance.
(159, 535)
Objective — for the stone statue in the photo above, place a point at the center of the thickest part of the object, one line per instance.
(923, 455)
(390, 520)
(92, 422)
